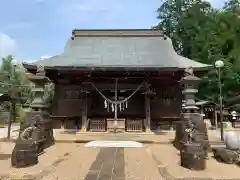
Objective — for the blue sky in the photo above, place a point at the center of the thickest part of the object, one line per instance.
(30, 29)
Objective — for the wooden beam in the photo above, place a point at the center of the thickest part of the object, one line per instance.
(101, 86)
(148, 113)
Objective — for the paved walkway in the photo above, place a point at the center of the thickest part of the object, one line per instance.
(71, 161)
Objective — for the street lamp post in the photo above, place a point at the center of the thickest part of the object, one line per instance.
(219, 64)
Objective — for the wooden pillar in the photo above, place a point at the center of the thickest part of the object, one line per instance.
(84, 113)
(115, 105)
(148, 113)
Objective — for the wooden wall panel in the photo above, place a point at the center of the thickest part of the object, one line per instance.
(166, 103)
(67, 101)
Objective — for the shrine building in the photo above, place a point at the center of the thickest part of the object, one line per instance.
(116, 80)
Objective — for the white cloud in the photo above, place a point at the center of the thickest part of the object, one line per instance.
(45, 57)
(7, 45)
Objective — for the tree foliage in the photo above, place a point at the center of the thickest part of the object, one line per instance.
(205, 34)
(14, 82)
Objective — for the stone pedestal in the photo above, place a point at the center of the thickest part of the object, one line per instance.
(193, 157)
(24, 154)
(194, 161)
(226, 155)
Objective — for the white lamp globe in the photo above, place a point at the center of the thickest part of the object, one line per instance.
(219, 64)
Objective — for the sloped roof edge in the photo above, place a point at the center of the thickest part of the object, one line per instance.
(92, 49)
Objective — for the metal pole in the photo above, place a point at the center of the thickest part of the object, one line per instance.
(9, 121)
(220, 103)
(115, 105)
(215, 117)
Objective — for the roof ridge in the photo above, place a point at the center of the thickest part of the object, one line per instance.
(116, 33)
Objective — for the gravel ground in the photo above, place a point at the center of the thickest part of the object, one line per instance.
(72, 161)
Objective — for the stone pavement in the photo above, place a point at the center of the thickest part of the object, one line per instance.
(72, 161)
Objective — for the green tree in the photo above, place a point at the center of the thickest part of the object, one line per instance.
(14, 82)
(205, 34)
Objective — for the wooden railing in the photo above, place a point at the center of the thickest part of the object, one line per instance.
(97, 125)
(134, 125)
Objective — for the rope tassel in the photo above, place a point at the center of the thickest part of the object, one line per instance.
(112, 106)
(105, 104)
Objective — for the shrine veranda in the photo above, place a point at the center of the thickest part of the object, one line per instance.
(116, 80)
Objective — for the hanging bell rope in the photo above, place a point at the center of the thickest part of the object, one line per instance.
(117, 101)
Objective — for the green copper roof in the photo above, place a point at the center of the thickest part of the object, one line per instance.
(119, 48)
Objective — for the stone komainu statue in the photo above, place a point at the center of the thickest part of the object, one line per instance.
(28, 146)
(44, 123)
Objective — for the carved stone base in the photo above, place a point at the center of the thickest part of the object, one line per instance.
(225, 155)
(193, 156)
(194, 161)
(24, 154)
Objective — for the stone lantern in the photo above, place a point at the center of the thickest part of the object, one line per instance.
(38, 111)
(191, 133)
